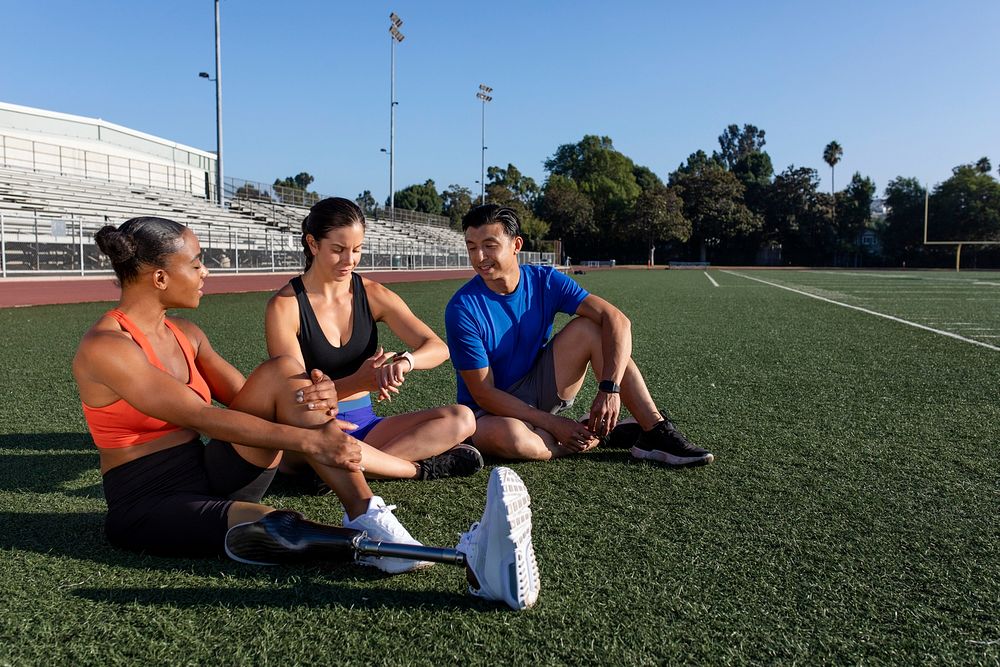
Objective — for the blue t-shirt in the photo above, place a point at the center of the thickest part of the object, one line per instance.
(506, 331)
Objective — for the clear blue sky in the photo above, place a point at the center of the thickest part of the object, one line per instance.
(908, 88)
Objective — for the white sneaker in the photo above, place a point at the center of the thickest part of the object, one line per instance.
(383, 526)
(498, 548)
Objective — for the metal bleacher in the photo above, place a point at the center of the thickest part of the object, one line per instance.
(48, 221)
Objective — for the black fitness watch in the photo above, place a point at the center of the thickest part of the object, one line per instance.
(608, 387)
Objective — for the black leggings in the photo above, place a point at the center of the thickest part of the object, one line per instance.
(174, 502)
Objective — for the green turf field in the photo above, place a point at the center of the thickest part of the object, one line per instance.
(851, 515)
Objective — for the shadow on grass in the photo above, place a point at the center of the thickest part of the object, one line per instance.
(80, 536)
(40, 463)
(310, 592)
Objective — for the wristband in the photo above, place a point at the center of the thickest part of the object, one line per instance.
(404, 355)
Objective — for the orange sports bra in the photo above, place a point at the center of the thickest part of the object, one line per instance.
(121, 425)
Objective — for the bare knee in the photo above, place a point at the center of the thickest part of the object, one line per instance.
(582, 329)
(463, 419)
(517, 443)
(280, 368)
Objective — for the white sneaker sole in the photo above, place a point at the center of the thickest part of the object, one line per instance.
(508, 514)
(669, 459)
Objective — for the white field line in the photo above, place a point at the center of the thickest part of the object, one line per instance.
(983, 282)
(898, 276)
(870, 312)
(711, 279)
(921, 277)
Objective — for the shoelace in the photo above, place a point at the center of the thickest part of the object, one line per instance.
(465, 539)
(679, 440)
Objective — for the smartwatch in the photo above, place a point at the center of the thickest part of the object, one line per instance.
(404, 355)
(608, 387)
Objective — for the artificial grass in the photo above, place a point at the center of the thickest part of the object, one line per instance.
(851, 515)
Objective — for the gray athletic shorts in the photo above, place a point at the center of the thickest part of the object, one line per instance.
(538, 386)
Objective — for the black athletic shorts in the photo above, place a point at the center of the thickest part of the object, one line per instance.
(174, 502)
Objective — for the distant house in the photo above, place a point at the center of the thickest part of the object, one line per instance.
(869, 242)
(879, 209)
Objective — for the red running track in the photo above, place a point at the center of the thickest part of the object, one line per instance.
(56, 290)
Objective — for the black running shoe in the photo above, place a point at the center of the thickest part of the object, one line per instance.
(665, 444)
(622, 436)
(459, 461)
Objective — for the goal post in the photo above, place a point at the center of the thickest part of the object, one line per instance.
(958, 244)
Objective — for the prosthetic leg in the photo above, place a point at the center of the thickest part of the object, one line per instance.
(496, 551)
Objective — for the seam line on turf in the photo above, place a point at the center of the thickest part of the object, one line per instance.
(871, 312)
(710, 279)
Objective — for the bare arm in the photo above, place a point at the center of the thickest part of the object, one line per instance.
(616, 345)
(223, 379)
(115, 363)
(427, 348)
(567, 432)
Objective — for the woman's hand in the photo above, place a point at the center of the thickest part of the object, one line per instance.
(335, 448)
(392, 374)
(320, 395)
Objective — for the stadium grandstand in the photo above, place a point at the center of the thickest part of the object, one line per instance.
(62, 177)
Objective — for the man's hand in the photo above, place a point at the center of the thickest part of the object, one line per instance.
(604, 413)
(571, 434)
(335, 448)
(320, 395)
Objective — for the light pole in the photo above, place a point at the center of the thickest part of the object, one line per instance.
(220, 193)
(394, 36)
(484, 95)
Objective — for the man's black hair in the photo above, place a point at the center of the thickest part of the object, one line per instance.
(492, 214)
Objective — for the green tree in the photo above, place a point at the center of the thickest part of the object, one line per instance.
(568, 211)
(420, 197)
(902, 236)
(367, 202)
(514, 183)
(250, 191)
(713, 203)
(509, 187)
(659, 217)
(737, 144)
(797, 220)
(856, 211)
(742, 151)
(604, 175)
(300, 181)
(645, 178)
(295, 189)
(967, 205)
(457, 202)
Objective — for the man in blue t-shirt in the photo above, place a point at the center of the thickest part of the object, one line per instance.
(517, 381)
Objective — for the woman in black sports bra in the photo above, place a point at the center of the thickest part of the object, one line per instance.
(326, 318)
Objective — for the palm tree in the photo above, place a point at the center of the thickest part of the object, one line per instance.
(831, 155)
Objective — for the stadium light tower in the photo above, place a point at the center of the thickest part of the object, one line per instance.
(220, 192)
(394, 36)
(484, 95)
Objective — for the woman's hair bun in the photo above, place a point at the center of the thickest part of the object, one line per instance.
(117, 246)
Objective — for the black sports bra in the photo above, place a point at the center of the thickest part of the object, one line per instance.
(317, 352)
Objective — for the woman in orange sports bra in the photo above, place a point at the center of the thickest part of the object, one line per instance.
(147, 382)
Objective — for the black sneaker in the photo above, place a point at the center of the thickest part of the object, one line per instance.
(459, 461)
(623, 436)
(665, 444)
